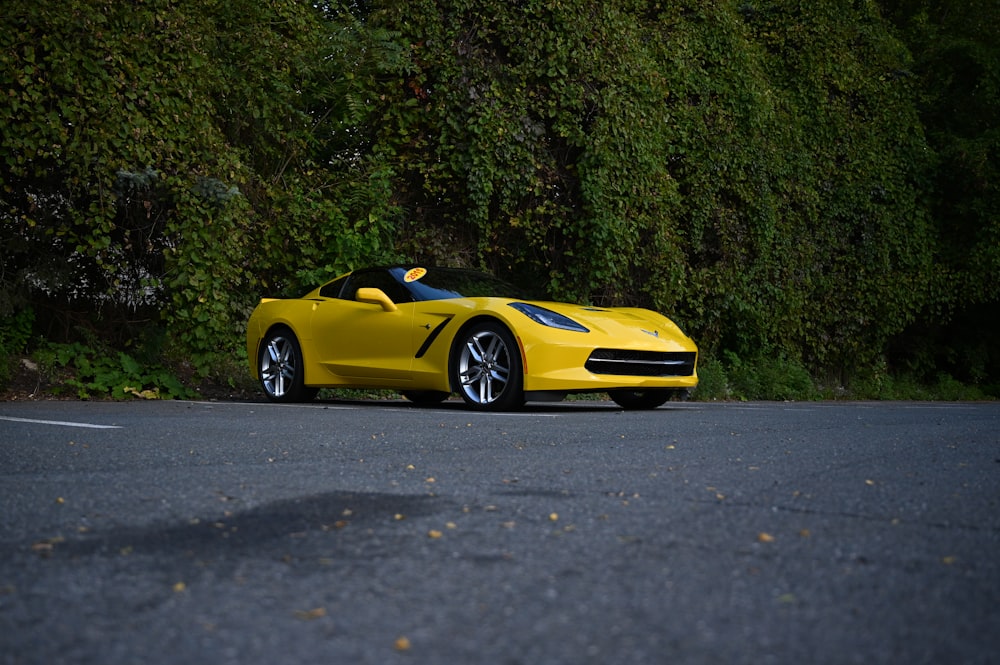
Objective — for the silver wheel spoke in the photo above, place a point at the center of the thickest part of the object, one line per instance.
(500, 373)
(485, 388)
(476, 349)
(471, 376)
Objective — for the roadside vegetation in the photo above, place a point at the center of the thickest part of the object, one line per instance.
(811, 190)
(76, 371)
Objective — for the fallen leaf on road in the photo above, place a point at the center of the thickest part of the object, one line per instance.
(310, 615)
(765, 537)
(45, 547)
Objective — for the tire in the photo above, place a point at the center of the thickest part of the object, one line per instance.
(486, 368)
(281, 368)
(641, 400)
(426, 397)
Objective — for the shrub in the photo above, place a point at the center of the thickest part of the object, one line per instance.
(93, 373)
(712, 383)
(770, 378)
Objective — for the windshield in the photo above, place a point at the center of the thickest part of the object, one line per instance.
(447, 283)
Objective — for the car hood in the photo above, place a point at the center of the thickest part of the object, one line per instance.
(620, 322)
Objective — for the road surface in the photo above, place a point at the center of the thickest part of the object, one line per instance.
(351, 532)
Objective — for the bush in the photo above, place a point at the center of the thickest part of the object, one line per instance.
(776, 378)
(93, 373)
(15, 331)
(712, 383)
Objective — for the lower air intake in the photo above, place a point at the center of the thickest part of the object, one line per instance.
(641, 363)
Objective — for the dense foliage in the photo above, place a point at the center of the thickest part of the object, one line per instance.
(174, 158)
(809, 182)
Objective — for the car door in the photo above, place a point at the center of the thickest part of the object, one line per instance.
(364, 340)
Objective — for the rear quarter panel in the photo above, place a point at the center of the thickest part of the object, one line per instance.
(292, 313)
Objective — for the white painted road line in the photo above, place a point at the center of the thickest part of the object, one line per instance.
(62, 423)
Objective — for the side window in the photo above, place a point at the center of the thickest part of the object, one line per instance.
(378, 279)
(333, 289)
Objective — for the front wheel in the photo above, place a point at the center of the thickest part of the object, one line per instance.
(281, 369)
(638, 400)
(486, 368)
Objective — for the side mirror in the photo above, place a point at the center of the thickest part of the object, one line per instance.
(375, 297)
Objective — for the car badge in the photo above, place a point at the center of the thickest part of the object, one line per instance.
(654, 333)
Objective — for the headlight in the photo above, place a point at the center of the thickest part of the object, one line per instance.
(547, 317)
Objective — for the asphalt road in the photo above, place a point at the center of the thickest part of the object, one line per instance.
(173, 532)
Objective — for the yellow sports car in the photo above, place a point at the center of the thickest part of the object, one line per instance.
(428, 332)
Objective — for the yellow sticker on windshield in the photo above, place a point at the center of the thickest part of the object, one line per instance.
(415, 274)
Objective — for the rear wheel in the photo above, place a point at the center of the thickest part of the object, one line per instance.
(638, 400)
(281, 369)
(486, 368)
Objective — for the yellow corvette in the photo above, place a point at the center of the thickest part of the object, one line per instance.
(428, 332)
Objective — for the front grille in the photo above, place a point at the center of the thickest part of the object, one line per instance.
(641, 363)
